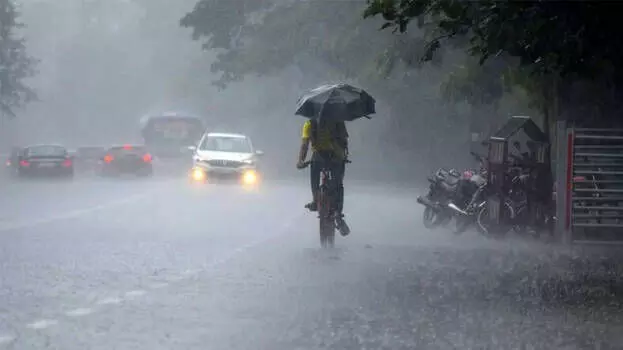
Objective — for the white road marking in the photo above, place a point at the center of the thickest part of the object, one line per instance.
(158, 285)
(190, 272)
(70, 214)
(109, 301)
(79, 312)
(6, 339)
(42, 324)
(135, 293)
(232, 254)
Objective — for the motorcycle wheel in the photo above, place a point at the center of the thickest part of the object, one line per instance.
(431, 218)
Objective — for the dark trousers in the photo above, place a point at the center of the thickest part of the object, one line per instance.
(337, 167)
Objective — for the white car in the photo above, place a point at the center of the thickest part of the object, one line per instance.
(224, 155)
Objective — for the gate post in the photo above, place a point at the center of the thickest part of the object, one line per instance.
(564, 181)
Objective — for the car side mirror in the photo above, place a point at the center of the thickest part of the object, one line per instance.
(259, 153)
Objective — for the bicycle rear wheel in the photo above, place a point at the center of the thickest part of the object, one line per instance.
(325, 219)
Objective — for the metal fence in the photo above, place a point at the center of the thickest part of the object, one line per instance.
(589, 176)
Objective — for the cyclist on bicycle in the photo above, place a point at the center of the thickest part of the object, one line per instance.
(329, 143)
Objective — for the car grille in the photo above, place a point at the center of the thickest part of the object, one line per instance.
(225, 163)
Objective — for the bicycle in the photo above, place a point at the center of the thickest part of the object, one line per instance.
(326, 205)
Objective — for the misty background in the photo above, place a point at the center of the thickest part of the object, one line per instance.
(104, 64)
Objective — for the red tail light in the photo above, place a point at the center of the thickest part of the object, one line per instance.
(108, 158)
(579, 178)
(24, 163)
(147, 158)
(127, 147)
(67, 163)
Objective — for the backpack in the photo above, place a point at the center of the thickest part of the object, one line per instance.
(340, 133)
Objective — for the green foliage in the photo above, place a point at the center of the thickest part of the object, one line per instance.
(561, 38)
(15, 64)
(330, 40)
(222, 22)
(259, 37)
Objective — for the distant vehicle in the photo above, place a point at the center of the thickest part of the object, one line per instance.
(12, 163)
(87, 158)
(168, 135)
(45, 160)
(228, 156)
(127, 159)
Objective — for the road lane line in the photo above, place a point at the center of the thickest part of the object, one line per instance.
(6, 339)
(110, 301)
(158, 285)
(46, 323)
(79, 312)
(190, 272)
(42, 324)
(70, 214)
(284, 229)
(135, 293)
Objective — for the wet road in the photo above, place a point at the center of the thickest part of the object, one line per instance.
(158, 264)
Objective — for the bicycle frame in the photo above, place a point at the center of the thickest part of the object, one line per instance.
(326, 204)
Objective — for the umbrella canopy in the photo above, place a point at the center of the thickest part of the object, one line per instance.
(338, 102)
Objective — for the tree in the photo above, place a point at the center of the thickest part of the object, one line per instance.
(332, 41)
(557, 43)
(263, 37)
(15, 64)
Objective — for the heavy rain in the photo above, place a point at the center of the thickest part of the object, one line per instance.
(320, 174)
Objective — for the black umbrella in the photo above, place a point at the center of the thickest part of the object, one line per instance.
(338, 102)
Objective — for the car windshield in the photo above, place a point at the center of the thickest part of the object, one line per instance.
(226, 144)
(44, 151)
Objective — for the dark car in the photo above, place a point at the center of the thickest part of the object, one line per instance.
(128, 159)
(45, 160)
(87, 158)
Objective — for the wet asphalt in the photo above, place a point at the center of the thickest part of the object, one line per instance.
(162, 264)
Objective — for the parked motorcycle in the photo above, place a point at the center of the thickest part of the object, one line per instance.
(442, 189)
(469, 197)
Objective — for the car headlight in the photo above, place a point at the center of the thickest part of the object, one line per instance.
(249, 177)
(198, 174)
